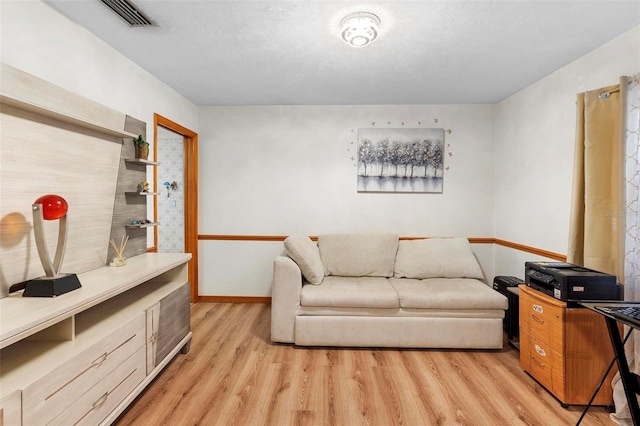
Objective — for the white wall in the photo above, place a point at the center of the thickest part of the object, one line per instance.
(535, 130)
(41, 41)
(279, 170)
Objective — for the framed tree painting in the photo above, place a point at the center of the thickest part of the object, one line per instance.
(400, 160)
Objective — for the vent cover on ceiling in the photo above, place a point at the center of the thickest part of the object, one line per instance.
(130, 13)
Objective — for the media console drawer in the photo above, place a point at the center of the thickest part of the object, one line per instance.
(53, 393)
(96, 403)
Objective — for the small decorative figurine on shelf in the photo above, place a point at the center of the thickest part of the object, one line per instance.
(119, 260)
(143, 186)
(140, 222)
(142, 148)
(171, 186)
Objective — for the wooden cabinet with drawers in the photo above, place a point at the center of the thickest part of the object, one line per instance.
(82, 357)
(566, 349)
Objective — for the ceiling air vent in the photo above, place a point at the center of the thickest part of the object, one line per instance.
(130, 13)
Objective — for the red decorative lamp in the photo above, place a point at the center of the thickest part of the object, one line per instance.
(50, 207)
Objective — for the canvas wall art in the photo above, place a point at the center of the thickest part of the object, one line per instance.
(400, 160)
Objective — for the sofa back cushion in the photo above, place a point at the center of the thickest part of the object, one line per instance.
(305, 253)
(436, 258)
(358, 255)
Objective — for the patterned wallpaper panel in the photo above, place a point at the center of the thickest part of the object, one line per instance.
(170, 200)
(632, 186)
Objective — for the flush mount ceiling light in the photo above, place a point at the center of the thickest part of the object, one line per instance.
(359, 29)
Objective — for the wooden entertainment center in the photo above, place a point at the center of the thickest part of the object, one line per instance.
(82, 357)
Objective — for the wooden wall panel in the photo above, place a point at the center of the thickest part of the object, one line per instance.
(52, 99)
(41, 155)
(54, 141)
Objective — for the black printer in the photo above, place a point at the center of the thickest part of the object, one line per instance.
(565, 281)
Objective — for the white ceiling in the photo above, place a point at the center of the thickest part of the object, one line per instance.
(230, 52)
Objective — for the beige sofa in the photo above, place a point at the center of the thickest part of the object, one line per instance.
(374, 290)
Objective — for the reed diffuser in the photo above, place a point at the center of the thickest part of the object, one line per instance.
(119, 260)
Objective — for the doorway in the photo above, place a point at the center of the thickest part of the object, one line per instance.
(177, 200)
(170, 184)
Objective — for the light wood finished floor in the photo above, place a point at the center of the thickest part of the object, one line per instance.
(234, 375)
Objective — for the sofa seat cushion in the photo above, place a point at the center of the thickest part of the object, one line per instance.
(358, 255)
(447, 293)
(325, 311)
(350, 292)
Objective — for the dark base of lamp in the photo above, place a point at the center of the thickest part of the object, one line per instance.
(51, 287)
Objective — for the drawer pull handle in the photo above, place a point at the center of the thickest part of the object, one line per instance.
(101, 359)
(536, 319)
(540, 350)
(541, 364)
(96, 405)
(537, 308)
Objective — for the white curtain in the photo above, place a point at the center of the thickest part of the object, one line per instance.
(630, 90)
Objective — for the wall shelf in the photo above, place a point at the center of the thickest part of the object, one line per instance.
(135, 193)
(142, 225)
(30, 93)
(141, 161)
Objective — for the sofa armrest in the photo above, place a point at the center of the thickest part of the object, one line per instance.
(286, 289)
